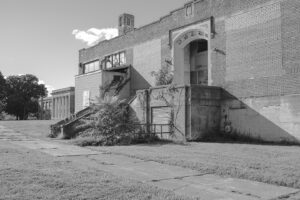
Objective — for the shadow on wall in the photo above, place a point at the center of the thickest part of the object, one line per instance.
(138, 82)
(262, 118)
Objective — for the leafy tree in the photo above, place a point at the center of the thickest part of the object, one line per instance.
(23, 93)
(3, 89)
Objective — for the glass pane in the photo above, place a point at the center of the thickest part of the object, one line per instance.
(93, 66)
(97, 65)
(87, 68)
(116, 60)
(108, 62)
(122, 58)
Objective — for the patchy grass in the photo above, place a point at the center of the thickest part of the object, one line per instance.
(26, 175)
(278, 165)
(33, 128)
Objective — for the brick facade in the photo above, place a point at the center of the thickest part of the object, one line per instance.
(254, 50)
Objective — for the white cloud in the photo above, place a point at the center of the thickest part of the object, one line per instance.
(49, 87)
(94, 35)
(41, 82)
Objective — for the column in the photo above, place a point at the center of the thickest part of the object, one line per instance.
(58, 107)
(63, 107)
(68, 105)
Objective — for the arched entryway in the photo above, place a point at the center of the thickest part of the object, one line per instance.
(191, 58)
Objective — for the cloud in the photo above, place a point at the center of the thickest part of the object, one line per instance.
(94, 35)
(41, 82)
(49, 87)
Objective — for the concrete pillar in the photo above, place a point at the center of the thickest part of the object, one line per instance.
(53, 108)
(68, 105)
(61, 107)
(64, 107)
(58, 107)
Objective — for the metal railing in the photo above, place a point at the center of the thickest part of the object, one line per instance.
(160, 130)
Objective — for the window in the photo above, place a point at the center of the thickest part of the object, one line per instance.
(115, 60)
(91, 66)
(108, 62)
(86, 99)
(189, 10)
(122, 58)
(128, 21)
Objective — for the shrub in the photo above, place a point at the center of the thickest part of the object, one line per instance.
(110, 124)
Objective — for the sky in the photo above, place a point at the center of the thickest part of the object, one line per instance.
(43, 37)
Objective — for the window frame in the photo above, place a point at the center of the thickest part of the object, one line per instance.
(189, 10)
(88, 68)
(115, 60)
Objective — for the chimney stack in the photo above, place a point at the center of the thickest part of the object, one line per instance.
(126, 23)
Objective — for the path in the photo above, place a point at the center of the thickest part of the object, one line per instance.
(180, 180)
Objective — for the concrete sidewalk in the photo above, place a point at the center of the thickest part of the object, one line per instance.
(180, 180)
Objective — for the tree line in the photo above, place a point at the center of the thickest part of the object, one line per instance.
(20, 94)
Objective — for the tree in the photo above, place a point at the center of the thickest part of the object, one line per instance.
(23, 93)
(3, 89)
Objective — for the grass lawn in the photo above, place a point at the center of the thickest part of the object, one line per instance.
(27, 175)
(33, 128)
(278, 165)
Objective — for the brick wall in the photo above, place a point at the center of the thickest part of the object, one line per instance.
(89, 82)
(271, 66)
(262, 45)
(291, 36)
(146, 58)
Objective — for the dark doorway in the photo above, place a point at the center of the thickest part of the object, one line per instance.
(199, 62)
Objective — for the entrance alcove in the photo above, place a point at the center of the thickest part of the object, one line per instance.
(191, 58)
(198, 55)
(192, 68)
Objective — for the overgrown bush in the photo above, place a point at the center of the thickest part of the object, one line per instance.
(110, 124)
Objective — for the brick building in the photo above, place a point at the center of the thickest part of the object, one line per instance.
(237, 60)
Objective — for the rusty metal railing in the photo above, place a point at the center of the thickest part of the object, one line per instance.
(159, 130)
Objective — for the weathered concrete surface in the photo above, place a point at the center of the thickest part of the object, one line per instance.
(180, 180)
(55, 149)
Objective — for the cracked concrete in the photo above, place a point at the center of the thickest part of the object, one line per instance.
(180, 180)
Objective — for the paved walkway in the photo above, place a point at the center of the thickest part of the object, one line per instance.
(180, 180)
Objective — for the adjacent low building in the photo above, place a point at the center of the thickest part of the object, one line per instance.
(58, 106)
(63, 103)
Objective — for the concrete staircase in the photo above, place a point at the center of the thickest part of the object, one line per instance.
(59, 127)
